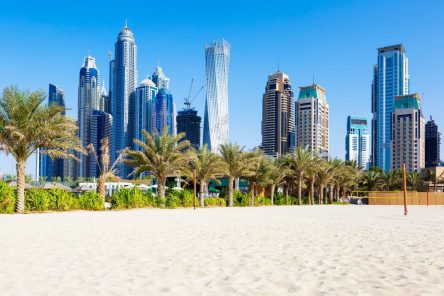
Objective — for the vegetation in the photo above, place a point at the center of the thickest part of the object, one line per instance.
(7, 199)
(27, 125)
(91, 201)
(161, 155)
(132, 198)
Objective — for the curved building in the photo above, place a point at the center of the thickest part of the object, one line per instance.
(217, 60)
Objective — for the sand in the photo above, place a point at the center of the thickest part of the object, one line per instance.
(327, 250)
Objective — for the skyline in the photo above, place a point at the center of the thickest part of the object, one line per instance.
(345, 71)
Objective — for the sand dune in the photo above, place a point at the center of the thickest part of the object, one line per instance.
(328, 250)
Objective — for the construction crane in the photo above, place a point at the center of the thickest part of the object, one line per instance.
(189, 100)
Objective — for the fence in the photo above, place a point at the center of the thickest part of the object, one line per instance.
(413, 198)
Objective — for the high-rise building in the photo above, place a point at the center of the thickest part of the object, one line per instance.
(124, 83)
(278, 115)
(391, 79)
(160, 79)
(144, 111)
(188, 122)
(101, 128)
(408, 133)
(105, 104)
(432, 144)
(52, 168)
(217, 60)
(165, 112)
(357, 141)
(88, 100)
(312, 120)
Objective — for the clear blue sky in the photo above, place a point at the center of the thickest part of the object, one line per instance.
(45, 42)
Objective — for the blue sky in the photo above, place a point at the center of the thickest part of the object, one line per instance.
(46, 42)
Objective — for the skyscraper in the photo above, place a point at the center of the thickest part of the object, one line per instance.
(88, 100)
(357, 141)
(104, 104)
(188, 122)
(124, 83)
(408, 131)
(144, 110)
(391, 79)
(278, 115)
(312, 120)
(101, 127)
(217, 60)
(160, 79)
(165, 112)
(48, 167)
(432, 144)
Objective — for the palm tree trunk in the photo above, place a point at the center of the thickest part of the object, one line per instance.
(230, 191)
(252, 194)
(161, 191)
(202, 193)
(101, 187)
(273, 187)
(321, 194)
(20, 203)
(331, 193)
(286, 195)
(312, 190)
(300, 190)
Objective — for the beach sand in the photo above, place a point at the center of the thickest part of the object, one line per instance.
(308, 250)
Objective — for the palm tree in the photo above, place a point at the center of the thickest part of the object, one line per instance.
(208, 165)
(106, 172)
(260, 171)
(27, 125)
(390, 180)
(335, 168)
(371, 179)
(278, 172)
(312, 176)
(300, 161)
(414, 179)
(162, 156)
(236, 164)
(324, 178)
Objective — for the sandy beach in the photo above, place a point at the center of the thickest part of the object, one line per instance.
(309, 250)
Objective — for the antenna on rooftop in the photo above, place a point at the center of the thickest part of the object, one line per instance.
(126, 23)
(110, 54)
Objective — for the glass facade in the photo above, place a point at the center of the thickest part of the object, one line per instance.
(357, 141)
(217, 60)
(391, 79)
(165, 112)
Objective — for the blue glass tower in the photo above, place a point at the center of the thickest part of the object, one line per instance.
(165, 112)
(123, 84)
(101, 128)
(391, 79)
(89, 98)
(47, 167)
(217, 60)
(357, 141)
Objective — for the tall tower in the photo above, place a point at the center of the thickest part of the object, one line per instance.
(391, 79)
(124, 83)
(357, 141)
(432, 144)
(160, 79)
(312, 120)
(217, 60)
(165, 112)
(144, 111)
(48, 167)
(278, 115)
(408, 130)
(101, 127)
(88, 100)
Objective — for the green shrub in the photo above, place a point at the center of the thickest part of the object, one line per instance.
(127, 198)
(60, 200)
(262, 201)
(91, 201)
(341, 203)
(36, 199)
(187, 197)
(241, 199)
(7, 199)
(280, 200)
(215, 202)
(172, 201)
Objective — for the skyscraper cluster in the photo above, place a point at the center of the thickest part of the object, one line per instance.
(287, 123)
(131, 107)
